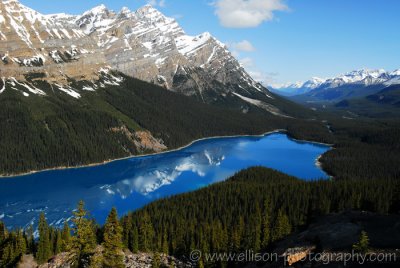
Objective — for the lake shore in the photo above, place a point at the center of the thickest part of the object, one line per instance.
(10, 176)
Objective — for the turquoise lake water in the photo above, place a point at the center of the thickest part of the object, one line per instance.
(131, 183)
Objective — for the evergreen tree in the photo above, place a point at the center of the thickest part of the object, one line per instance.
(30, 239)
(7, 256)
(65, 237)
(52, 239)
(282, 226)
(146, 233)
(21, 247)
(127, 232)
(113, 255)
(3, 232)
(43, 249)
(83, 241)
(257, 221)
(135, 240)
(58, 243)
(266, 224)
(165, 246)
(362, 246)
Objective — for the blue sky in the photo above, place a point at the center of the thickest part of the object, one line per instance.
(287, 40)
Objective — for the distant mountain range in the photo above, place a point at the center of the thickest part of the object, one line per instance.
(354, 84)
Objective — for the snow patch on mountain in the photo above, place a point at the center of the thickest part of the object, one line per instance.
(3, 87)
(69, 90)
(189, 44)
(364, 77)
(30, 88)
(268, 107)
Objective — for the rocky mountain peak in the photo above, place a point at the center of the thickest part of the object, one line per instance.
(98, 9)
(395, 73)
(51, 44)
(125, 11)
(144, 44)
(95, 18)
(151, 14)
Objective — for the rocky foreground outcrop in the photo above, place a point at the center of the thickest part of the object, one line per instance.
(139, 260)
(325, 242)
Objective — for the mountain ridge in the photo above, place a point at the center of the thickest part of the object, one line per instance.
(143, 44)
(358, 78)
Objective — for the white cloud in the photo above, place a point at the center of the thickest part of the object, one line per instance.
(247, 63)
(243, 46)
(160, 3)
(247, 13)
(263, 77)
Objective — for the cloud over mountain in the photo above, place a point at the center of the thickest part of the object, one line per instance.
(247, 13)
(244, 45)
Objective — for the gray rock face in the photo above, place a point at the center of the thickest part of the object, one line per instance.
(31, 42)
(147, 45)
(144, 44)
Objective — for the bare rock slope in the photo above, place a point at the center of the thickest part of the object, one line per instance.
(143, 44)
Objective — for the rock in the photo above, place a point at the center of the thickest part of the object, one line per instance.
(32, 42)
(341, 231)
(27, 261)
(144, 260)
(138, 260)
(58, 261)
(144, 44)
(144, 141)
(293, 255)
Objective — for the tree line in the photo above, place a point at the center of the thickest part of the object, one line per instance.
(80, 241)
(252, 210)
(57, 130)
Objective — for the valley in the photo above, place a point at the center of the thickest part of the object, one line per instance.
(171, 143)
(132, 183)
(58, 125)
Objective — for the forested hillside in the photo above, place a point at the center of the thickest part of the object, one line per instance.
(44, 132)
(363, 148)
(382, 104)
(250, 211)
(56, 130)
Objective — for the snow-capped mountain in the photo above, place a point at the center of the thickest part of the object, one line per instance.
(346, 85)
(32, 42)
(362, 77)
(297, 88)
(144, 44)
(150, 46)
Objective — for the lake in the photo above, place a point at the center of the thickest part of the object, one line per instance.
(131, 183)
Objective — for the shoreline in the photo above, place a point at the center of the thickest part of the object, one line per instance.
(153, 154)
